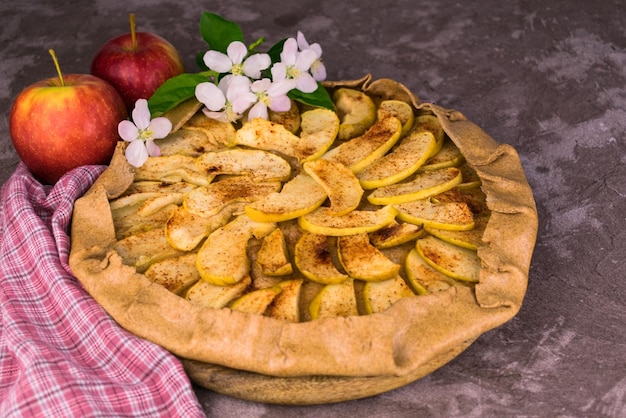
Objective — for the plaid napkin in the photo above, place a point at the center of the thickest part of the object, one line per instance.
(60, 353)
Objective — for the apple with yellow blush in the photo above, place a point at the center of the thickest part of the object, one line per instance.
(64, 122)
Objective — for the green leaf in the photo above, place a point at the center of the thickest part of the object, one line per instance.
(219, 32)
(319, 98)
(173, 92)
(275, 50)
(200, 61)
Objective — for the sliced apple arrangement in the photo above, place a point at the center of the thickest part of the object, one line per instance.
(310, 214)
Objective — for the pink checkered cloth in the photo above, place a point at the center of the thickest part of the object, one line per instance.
(60, 353)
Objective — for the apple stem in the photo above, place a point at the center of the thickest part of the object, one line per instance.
(133, 35)
(56, 64)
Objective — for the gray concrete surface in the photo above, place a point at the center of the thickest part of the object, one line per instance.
(548, 77)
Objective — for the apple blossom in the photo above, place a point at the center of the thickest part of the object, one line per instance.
(318, 70)
(141, 133)
(295, 65)
(271, 95)
(235, 62)
(228, 100)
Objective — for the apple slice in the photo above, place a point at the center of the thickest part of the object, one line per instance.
(299, 196)
(453, 216)
(356, 110)
(186, 142)
(399, 164)
(218, 133)
(359, 152)
(209, 295)
(424, 185)
(471, 239)
(156, 203)
(273, 257)
(429, 123)
(422, 278)
(127, 222)
(265, 135)
(396, 233)
(133, 249)
(184, 230)
(322, 222)
(448, 156)
(339, 182)
(319, 130)
(380, 295)
(257, 301)
(399, 109)
(149, 197)
(286, 305)
(334, 300)
(470, 178)
(362, 260)
(223, 260)
(151, 186)
(172, 169)
(175, 274)
(314, 259)
(210, 200)
(451, 260)
(258, 164)
(473, 197)
(134, 199)
(290, 119)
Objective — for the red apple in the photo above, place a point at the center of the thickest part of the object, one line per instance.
(64, 122)
(136, 64)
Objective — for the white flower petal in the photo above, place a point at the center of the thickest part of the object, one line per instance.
(160, 127)
(243, 102)
(221, 116)
(318, 69)
(237, 86)
(262, 85)
(317, 49)
(302, 43)
(280, 104)
(211, 96)
(279, 71)
(259, 110)
(218, 61)
(306, 83)
(289, 52)
(127, 130)
(281, 87)
(224, 83)
(256, 63)
(141, 114)
(152, 148)
(238, 81)
(136, 153)
(237, 51)
(305, 59)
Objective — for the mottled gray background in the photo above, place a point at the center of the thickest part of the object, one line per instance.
(548, 77)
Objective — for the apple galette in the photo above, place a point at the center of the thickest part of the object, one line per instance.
(369, 245)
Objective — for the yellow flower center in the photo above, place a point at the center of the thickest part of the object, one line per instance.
(237, 69)
(145, 134)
